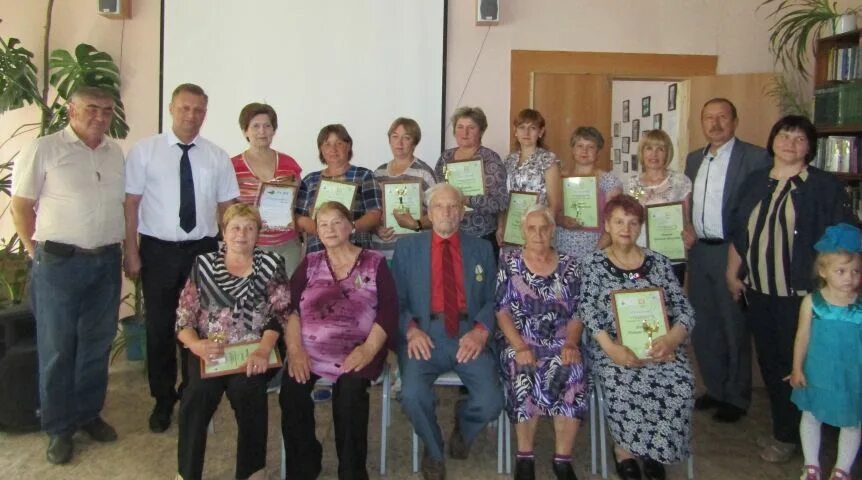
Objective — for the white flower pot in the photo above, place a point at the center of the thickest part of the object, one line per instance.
(845, 23)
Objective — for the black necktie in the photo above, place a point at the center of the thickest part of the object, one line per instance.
(188, 216)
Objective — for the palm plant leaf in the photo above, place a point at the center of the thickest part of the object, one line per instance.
(18, 85)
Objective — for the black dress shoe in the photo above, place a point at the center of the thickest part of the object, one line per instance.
(99, 430)
(653, 470)
(525, 469)
(60, 449)
(160, 419)
(563, 471)
(705, 402)
(728, 413)
(627, 469)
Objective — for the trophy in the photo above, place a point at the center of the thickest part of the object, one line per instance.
(401, 192)
(650, 329)
(637, 191)
(446, 173)
(218, 337)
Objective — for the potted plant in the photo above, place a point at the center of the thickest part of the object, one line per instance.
(797, 24)
(133, 336)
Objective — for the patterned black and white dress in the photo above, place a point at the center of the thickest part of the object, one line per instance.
(541, 308)
(649, 408)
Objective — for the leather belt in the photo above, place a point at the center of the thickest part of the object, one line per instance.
(178, 244)
(69, 250)
(712, 241)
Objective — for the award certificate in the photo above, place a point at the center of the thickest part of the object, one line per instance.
(467, 176)
(664, 224)
(403, 196)
(581, 200)
(334, 191)
(276, 202)
(233, 361)
(640, 316)
(519, 202)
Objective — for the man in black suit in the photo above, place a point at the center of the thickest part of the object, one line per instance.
(721, 340)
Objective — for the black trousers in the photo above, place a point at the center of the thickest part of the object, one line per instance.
(772, 320)
(164, 272)
(303, 452)
(247, 396)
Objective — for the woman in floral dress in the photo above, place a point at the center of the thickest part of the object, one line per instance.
(649, 402)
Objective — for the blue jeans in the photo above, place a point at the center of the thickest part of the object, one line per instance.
(76, 302)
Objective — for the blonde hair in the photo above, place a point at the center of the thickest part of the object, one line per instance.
(654, 138)
(333, 206)
(242, 210)
(825, 258)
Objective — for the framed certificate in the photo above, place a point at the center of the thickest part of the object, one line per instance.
(639, 316)
(467, 176)
(581, 200)
(404, 196)
(519, 202)
(664, 224)
(276, 202)
(235, 356)
(334, 191)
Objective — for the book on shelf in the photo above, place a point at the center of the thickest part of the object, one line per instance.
(839, 154)
(855, 193)
(843, 64)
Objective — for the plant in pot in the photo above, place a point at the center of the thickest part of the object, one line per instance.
(797, 23)
(133, 335)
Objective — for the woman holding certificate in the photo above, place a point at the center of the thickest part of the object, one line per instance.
(343, 322)
(532, 167)
(352, 186)
(539, 339)
(402, 182)
(235, 297)
(638, 320)
(261, 165)
(586, 189)
(657, 185)
(779, 215)
(478, 172)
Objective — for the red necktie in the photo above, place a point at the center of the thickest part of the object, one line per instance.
(450, 294)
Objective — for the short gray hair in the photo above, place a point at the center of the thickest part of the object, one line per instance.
(93, 93)
(438, 188)
(542, 209)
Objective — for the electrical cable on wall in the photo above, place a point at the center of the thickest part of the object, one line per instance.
(470, 75)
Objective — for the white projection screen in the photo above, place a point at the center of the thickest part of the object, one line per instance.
(361, 63)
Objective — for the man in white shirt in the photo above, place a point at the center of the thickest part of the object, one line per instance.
(178, 184)
(67, 203)
(721, 340)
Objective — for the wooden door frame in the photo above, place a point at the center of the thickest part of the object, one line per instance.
(628, 66)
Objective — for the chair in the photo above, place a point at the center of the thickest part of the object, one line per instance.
(504, 438)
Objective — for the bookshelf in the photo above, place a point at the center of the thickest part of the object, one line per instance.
(838, 109)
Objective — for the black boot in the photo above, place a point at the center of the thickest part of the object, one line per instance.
(525, 469)
(564, 471)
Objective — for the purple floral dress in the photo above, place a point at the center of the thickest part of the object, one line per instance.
(541, 308)
(337, 315)
(241, 308)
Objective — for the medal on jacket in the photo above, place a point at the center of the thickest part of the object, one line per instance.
(480, 274)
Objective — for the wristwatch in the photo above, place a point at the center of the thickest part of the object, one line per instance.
(418, 225)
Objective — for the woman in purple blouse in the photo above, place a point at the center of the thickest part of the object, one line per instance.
(344, 311)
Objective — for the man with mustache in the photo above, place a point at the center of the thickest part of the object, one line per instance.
(721, 339)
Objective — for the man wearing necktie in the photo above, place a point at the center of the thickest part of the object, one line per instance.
(178, 184)
(721, 340)
(445, 282)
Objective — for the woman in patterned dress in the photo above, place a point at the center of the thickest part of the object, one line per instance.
(532, 167)
(572, 238)
(342, 322)
(649, 402)
(539, 338)
(657, 184)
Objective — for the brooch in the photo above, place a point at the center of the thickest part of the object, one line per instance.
(480, 274)
(358, 281)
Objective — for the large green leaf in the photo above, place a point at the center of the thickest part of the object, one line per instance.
(88, 67)
(18, 85)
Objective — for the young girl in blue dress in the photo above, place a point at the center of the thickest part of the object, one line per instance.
(827, 354)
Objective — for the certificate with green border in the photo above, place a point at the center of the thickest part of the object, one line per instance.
(664, 224)
(581, 199)
(637, 313)
(519, 202)
(467, 176)
(334, 191)
(233, 360)
(401, 194)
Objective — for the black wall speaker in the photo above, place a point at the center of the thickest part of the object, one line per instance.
(109, 6)
(487, 12)
(115, 8)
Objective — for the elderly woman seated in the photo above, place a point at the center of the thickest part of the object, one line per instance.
(537, 299)
(344, 312)
(238, 294)
(649, 398)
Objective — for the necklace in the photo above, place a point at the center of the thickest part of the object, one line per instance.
(631, 273)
